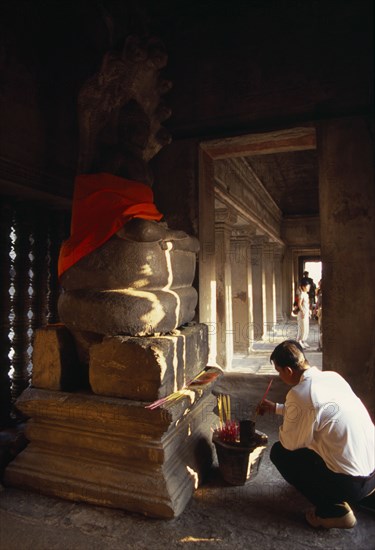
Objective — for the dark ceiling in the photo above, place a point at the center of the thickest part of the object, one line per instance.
(237, 68)
(291, 179)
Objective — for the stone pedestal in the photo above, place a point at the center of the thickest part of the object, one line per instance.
(114, 451)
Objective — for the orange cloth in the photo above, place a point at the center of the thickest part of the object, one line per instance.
(102, 204)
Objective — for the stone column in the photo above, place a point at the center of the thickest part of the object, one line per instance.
(278, 255)
(288, 282)
(289, 329)
(347, 214)
(242, 290)
(207, 261)
(224, 324)
(269, 291)
(258, 278)
(296, 275)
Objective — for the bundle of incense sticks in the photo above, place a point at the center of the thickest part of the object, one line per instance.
(205, 377)
(229, 430)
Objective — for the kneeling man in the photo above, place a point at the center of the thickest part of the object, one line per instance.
(327, 439)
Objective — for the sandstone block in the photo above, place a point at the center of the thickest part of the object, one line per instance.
(124, 263)
(55, 362)
(148, 368)
(132, 287)
(127, 311)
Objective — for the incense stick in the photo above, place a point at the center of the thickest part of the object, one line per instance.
(198, 384)
(220, 409)
(267, 390)
(228, 430)
(263, 398)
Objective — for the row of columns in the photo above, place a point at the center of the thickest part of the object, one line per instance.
(248, 286)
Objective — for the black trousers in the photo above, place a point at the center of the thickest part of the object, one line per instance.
(327, 490)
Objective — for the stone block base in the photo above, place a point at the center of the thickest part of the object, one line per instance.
(55, 360)
(114, 452)
(148, 368)
(140, 368)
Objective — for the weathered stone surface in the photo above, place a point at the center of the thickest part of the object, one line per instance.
(12, 442)
(115, 452)
(132, 287)
(148, 368)
(55, 362)
(144, 265)
(127, 311)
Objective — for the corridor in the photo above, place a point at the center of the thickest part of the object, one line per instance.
(258, 362)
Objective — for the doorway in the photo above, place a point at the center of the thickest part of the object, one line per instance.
(314, 268)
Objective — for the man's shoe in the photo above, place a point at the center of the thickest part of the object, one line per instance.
(368, 503)
(306, 345)
(344, 522)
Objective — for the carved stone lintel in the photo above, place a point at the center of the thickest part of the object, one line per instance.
(225, 218)
(244, 233)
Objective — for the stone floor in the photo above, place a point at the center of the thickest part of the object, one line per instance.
(265, 514)
(259, 361)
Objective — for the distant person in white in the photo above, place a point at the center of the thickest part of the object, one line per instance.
(303, 316)
(327, 439)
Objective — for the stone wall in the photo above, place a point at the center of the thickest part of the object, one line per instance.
(301, 231)
(347, 204)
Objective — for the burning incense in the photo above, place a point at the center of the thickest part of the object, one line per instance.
(220, 410)
(223, 405)
(226, 407)
(191, 390)
(228, 430)
(229, 433)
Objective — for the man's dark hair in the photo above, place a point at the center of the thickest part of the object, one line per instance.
(289, 354)
(305, 281)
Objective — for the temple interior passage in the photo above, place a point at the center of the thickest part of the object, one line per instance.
(178, 180)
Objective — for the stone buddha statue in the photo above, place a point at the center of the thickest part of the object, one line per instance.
(123, 270)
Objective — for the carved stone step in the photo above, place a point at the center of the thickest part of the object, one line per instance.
(114, 452)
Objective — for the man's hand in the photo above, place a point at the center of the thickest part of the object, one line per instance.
(266, 406)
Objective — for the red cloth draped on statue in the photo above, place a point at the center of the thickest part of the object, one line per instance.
(102, 204)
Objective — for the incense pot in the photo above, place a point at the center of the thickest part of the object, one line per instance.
(239, 460)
